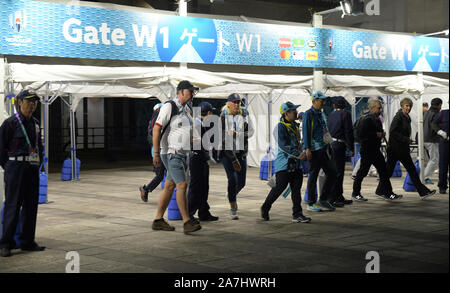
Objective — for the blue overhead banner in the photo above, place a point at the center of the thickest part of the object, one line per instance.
(37, 28)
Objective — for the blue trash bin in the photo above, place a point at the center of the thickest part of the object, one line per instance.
(407, 184)
(18, 228)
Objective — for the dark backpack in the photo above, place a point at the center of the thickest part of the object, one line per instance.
(357, 127)
(152, 121)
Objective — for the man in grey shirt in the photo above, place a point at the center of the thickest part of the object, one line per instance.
(431, 139)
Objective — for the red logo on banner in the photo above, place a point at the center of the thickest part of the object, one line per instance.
(284, 42)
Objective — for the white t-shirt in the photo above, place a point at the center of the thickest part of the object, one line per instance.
(177, 136)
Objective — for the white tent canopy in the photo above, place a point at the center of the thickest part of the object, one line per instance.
(264, 93)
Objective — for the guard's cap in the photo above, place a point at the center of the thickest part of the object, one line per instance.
(287, 107)
(186, 85)
(28, 94)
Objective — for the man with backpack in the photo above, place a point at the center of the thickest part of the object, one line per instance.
(146, 189)
(370, 133)
(172, 138)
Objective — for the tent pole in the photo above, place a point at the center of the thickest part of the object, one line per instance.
(269, 125)
(46, 127)
(420, 126)
(73, 155)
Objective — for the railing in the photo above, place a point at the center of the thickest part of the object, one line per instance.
(102, 137)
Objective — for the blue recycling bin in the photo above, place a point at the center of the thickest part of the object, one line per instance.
(66, 174)
(407, 184)
(397, 170)
(18, 228)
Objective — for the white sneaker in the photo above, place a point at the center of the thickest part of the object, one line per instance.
(233, 214)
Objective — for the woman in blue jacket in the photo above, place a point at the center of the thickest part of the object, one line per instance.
(288, 167)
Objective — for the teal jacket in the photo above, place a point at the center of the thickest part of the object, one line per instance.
(287, 144)
(318, 122)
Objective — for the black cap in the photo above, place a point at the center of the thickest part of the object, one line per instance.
(233, 97)
(28, 94)
(338, 100)
(186, 85)
(205, 107)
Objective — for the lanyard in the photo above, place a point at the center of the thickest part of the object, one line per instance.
(26, 134)
(297, 136)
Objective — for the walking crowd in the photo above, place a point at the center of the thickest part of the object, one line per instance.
(184, 146)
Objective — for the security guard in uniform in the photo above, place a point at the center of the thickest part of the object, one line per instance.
(441, 126)
(341, 130)
(20, 145)
(199, 168)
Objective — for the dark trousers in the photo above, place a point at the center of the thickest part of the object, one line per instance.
(370, 156)
(321, 160)
(157, 179)
(295, 180)
(198, 187)
(236, 180)
(401, 153)
(443, 165)
(339, 158)
(21, 191)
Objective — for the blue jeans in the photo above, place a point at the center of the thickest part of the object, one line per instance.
(236, 180)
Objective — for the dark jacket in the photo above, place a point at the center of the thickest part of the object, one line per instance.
(341, 127)
(430, 133)
(370, 125)
(12, 139)
(400, 131)
(441, 122)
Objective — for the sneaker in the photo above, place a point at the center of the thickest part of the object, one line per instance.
(301, 219)
(144, 193)
(209, 218)
(353, 177)
(327, 205)
(162, 225)
(428, 181)
(338, 204)
(191, 226)
(393, 196)
(233, 214)
(346, 201)
(443, 190)
(314, 208)
(428, 194)
(264, 214)
(359, 197)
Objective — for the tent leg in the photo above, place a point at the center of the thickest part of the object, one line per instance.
(420, 129)
(73, 154)
(3, 115)
(46, 116)
(269, 125)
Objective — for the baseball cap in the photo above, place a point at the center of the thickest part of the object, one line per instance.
(318, 95)
(186, 85)
(287, 107)
(233, 97)
(205, 107)
(28, 94)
